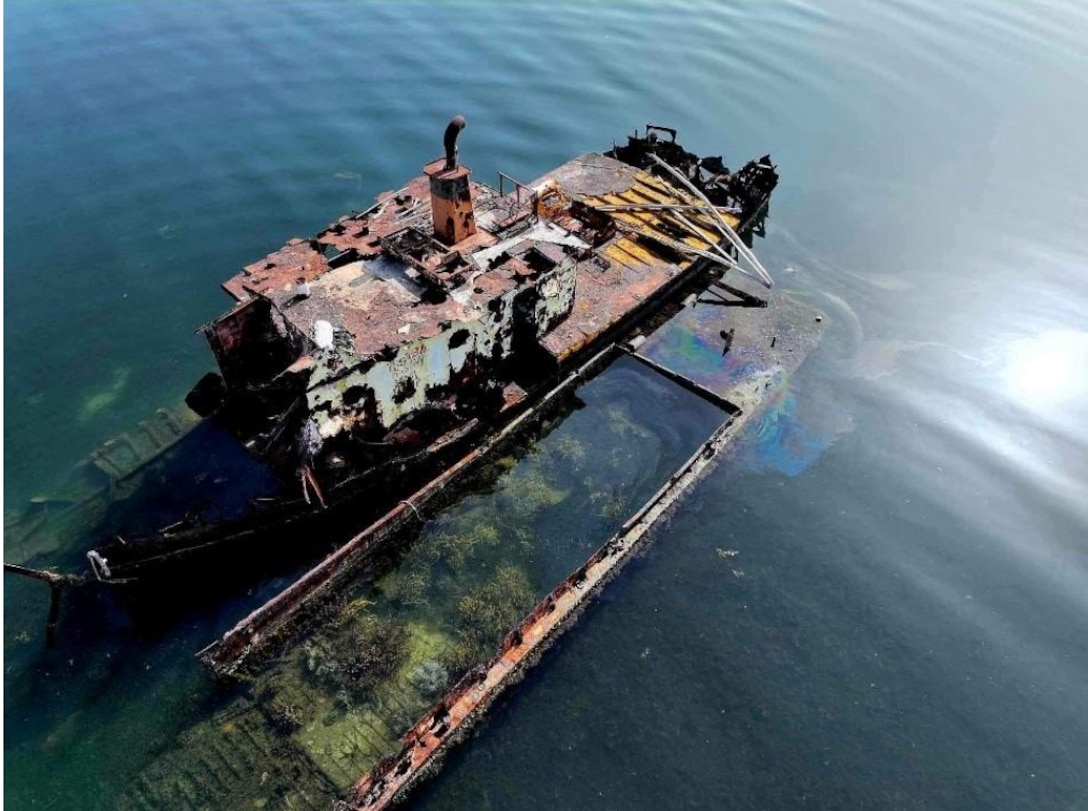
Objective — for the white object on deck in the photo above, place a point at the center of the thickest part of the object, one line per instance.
(323, 334)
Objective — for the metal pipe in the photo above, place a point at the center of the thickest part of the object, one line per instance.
(661, 207)
(449, 140)
(723, 226)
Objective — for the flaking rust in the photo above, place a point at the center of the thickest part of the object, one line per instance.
(361, 361)
(390, 325)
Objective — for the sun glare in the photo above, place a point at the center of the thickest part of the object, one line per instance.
(1048, 369)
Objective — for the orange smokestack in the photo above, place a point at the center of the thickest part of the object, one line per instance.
(451, 195)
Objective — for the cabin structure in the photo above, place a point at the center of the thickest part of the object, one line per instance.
(448, 296)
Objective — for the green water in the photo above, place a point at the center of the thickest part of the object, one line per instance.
(903, 624)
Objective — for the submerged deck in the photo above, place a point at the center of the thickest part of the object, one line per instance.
(770, 348)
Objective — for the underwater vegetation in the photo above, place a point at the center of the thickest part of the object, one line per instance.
(611, 503)
(527, 494)
(571, 450)
(409, 585)
(456, 549)
(621, 423)
(285, 707)
(430, 677)
(363, 651)
(486, 613)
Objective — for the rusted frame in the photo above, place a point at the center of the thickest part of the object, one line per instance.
(685, 382)
(518, 186)
(55, 582)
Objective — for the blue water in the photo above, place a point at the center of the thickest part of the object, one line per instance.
(904, 623)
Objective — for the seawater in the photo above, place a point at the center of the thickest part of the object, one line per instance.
(878, 601)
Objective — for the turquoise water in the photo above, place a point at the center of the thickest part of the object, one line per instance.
(904, 622)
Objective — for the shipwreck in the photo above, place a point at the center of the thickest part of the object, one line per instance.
(374, 369)
(358, 363)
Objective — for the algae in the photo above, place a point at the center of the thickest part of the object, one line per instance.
(496, 605)
(621, 422)
(367, 651)
(348, 731)
(527, 494)
(570, 449)
(409, 585)
(456, 549)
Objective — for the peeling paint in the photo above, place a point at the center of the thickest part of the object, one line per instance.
(432, 364)
(415, 307)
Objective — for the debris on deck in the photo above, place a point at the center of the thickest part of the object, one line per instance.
(395, 323)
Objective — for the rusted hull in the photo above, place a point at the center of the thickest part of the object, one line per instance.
(273, 523)
(770, 345)
(350, 744)
(485, 287)
(405, 327)
(406, 313)
(229, 654)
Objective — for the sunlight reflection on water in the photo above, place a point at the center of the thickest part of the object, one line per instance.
(1047, 370)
